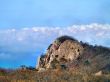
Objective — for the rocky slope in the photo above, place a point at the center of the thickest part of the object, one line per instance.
(67, 53)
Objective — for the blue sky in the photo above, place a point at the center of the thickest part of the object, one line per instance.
(23, 21)
(29, 13)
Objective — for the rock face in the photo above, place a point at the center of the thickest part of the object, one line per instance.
(63, 50)
(66, 52)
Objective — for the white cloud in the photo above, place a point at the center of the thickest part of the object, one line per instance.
(37, 39)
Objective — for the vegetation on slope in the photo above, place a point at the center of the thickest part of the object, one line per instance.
(58, 75)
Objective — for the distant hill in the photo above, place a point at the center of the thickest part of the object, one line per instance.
(68, 53)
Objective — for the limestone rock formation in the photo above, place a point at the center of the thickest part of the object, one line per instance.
(63, 50)
(66, 52)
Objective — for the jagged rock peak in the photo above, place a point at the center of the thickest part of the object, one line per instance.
(63, 50)
(61, 39)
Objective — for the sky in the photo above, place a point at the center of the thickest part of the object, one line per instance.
(27, 27)
(29, 13)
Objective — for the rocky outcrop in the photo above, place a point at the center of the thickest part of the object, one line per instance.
(63, 50)
(66, 52)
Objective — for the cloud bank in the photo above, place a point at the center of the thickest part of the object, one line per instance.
(22, 46)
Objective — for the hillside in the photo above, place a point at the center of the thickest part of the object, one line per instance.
(68, 53)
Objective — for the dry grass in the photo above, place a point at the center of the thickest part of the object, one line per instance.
(53, 76)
